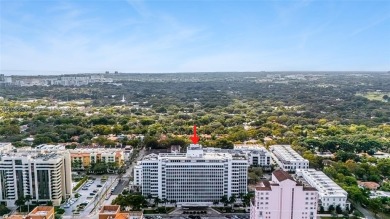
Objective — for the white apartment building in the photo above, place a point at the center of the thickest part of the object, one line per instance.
(43, 176)
(193, 177)
(283, 198)
(288, 159)
(257, 154)
(329, 192)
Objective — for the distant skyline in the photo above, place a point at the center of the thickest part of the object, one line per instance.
(56, 37)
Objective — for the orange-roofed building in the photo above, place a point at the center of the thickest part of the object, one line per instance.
(42, 212)
(369, 185)
(113, 212)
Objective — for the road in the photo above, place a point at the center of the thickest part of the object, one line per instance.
(367, 214)
(96, 201)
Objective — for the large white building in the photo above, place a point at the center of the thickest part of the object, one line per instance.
(256, 155)
(192, 177)
(283, 198)
(329, 192)
(288, 159)
(43, 176)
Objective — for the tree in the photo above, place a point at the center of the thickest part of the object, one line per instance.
(157, 200)
(339, 210)
(331, 208)
(4, 210)
(225, 200)
(20, 202)
(322, 210)
(232, 199)
(247, 199)
(149, 197)
(164, 200)
(375, 205)
(28, 198)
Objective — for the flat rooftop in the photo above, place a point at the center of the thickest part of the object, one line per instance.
(321, 182)
(286, 153)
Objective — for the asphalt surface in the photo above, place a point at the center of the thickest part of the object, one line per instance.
(367, 214)
(104, 196)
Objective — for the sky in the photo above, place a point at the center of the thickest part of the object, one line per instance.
(58, 36)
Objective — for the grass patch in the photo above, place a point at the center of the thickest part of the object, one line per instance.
(374, 95)
(159, 210)
(80, 183)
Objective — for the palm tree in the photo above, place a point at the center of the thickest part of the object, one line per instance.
(225, 200)
(164, 200)
(28, 198)
(156, 201)
(241, 196)
(232, 200)
(149, 197)
(20, 202)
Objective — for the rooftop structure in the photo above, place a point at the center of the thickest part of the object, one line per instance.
(329, 192)
(287, 158)
(42, 212)
(113, 212)
(5, 146)
(256, 155)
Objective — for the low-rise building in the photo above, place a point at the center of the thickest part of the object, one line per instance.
(288, 159)
(42, 212)
(369, 185)
(113, 212)
(39, 212)
(92, 155)
(257, 154)
(329, 192)
(283, 198)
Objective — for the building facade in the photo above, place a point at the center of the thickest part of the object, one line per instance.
(283, 198)
(192, 177)
(328, 191)
(43, 176)
(257, 154)
(84, 157)
(288, 159)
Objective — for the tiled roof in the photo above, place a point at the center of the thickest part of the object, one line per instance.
(282, 175)
(263, 186)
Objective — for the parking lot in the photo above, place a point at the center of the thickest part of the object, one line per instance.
(90, 195)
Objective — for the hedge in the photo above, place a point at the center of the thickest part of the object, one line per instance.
(80, 183)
